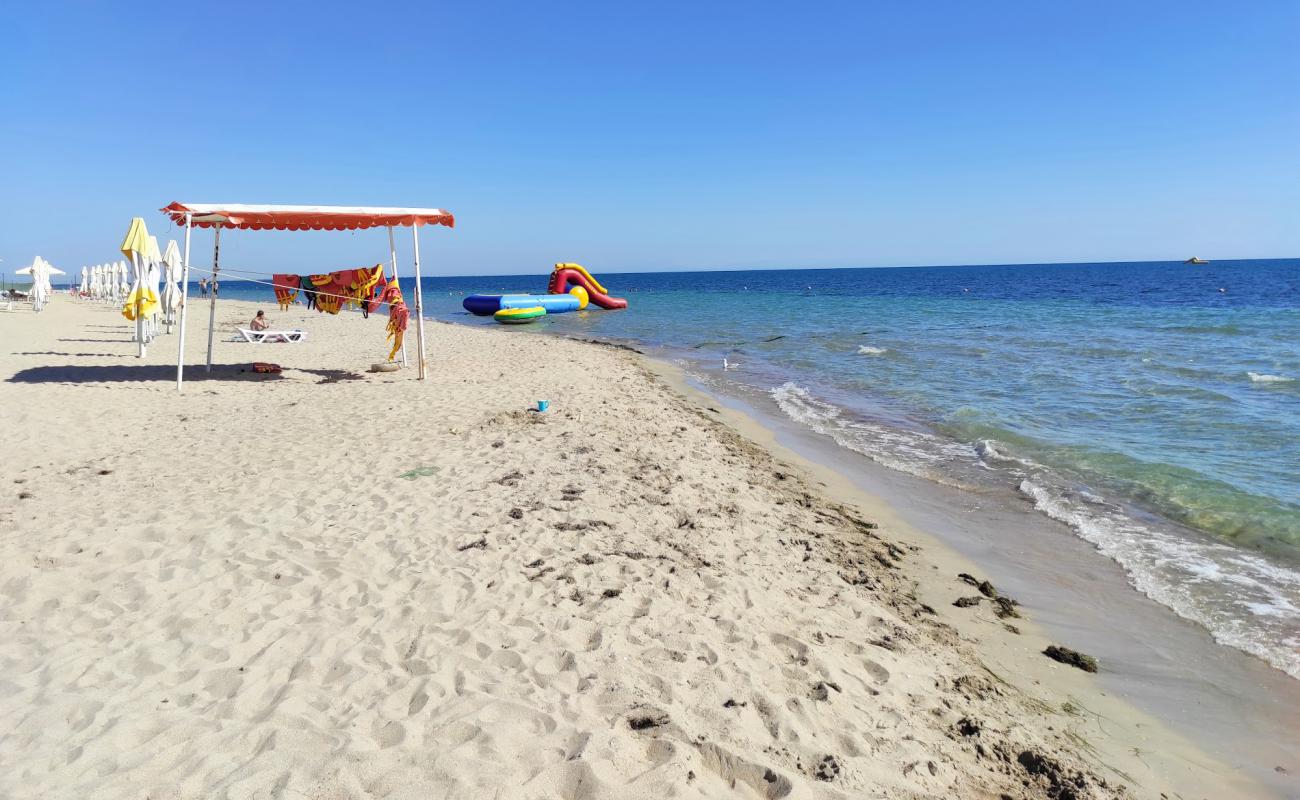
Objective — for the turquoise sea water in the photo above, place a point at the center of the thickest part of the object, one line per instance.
(1153, 407)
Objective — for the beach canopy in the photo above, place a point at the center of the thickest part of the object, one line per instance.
(305, 218)
(297, 218)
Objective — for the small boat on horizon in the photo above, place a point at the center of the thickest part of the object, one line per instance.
(1195, 260)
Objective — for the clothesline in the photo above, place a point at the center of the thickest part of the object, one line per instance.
(286, 286)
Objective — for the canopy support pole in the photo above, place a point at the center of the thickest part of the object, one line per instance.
(212, 294)
(392, 251)
(185, 295)
(419, 302)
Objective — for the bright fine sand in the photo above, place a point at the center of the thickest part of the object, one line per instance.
(338, 584)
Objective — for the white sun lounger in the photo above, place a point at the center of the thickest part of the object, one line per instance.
(264, 337)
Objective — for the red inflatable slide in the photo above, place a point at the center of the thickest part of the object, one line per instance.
(565, 274)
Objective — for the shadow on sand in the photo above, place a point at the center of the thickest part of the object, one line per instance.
(70, 355)
(139, 373)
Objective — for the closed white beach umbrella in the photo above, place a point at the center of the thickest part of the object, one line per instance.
(123, 281)
(40, 284)
(171, 296)
(40, 272)
(153, 280)
(85, 281)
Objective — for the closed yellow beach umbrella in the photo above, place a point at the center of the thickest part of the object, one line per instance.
(137, 238)
(142, 301)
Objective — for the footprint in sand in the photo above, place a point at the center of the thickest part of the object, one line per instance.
(877, 672)
(796, 650)
(388, 733)
(733, 769)
(418, 701)
(458, 733)
(507, 659)
(659, 751)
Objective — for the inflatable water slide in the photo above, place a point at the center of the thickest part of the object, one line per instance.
(565, 274)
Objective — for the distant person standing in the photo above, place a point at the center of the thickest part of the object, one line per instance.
(214, 287)
(203, 287)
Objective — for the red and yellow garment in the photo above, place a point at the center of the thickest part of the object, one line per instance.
(286, 289)
(363, 284)
(364, 287)
(398, 316)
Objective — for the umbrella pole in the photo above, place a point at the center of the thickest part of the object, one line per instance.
(419, 302)
(392, 252)
(139, 291)
(212, 294)
(185, 293)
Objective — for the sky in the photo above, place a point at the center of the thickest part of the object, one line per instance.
(660, 136)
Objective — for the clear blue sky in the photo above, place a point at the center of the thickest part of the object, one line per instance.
(662, 135)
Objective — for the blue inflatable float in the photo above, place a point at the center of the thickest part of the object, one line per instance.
(485, 305)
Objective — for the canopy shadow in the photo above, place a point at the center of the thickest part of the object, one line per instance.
(138, 373)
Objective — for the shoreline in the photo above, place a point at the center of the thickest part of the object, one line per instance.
(1225, 698)
(1018, 655)
(723, 568)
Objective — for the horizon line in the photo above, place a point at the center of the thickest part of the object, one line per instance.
(689, 270)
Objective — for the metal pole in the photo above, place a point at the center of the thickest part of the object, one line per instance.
(139, 282)
(392, 251)
(185, 294)
(419, 302)
(212, 293)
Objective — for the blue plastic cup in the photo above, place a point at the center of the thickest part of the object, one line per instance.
(542, 405)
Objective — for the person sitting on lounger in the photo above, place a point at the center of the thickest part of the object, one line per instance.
(259, 322)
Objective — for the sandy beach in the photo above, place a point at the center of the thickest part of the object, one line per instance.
(331, 583)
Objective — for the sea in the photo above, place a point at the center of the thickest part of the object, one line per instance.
(1153, 407)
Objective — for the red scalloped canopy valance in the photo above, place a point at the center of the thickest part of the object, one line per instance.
(305, 218)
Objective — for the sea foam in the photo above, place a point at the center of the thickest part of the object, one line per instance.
(1260, 377)
(914, 452)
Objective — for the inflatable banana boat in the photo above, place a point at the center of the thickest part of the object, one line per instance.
(518, 316)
